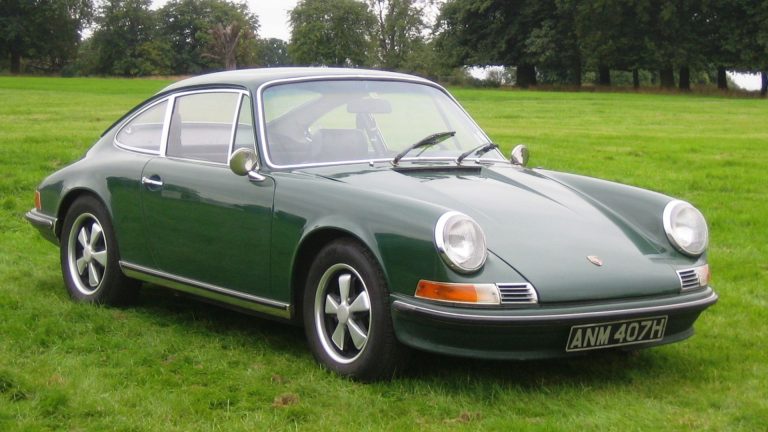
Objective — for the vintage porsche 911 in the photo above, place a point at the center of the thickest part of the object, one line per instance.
(370, 208)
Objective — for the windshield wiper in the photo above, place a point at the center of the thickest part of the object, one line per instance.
(426, 142)
(479, 151)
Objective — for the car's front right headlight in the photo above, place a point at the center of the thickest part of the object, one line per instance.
(461, 242)
(686, 228)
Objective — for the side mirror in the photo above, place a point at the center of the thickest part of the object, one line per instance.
(519, 155)
(243, 161)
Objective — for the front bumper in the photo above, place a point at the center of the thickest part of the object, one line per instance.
(529, 333)
(44, 223)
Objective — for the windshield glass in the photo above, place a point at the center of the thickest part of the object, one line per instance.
(352, 120)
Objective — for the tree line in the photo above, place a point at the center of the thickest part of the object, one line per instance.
(128, 38)
(558, 40)
(666, 43)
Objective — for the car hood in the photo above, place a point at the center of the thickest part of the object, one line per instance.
(546, 231)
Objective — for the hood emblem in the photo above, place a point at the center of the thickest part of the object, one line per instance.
(595, 260)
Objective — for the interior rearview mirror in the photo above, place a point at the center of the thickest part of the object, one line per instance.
(369, 106)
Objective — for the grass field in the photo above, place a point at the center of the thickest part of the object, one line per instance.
(171, 364)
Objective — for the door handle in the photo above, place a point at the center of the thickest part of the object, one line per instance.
(153, 182)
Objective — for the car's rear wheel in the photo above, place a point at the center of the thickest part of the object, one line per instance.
(346, 314)
(89, 256)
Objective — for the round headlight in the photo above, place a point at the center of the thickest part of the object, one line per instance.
(461, 242)
(686, 228)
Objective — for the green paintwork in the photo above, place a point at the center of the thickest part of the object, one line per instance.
(542, 229)
(208, 225)
(541, 338)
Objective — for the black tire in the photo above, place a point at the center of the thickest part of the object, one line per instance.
(90, 258)
(326, 316)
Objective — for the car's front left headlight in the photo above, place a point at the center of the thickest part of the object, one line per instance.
(461, 242)
(686, 228)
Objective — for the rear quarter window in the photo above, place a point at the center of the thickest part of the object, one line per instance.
(145, 131)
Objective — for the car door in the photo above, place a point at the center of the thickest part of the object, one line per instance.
(141, 138)
(207, 226)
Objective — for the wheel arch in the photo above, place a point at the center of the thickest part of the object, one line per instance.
(306, 252)
(66, 203)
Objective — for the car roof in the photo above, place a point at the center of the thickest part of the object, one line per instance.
(253, 78)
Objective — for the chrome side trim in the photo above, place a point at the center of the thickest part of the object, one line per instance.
(197, 161)
(206, 290)
(458, 316)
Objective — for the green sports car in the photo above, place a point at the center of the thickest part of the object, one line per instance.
(369, 207)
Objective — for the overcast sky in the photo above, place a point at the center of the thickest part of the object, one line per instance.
(273, 17)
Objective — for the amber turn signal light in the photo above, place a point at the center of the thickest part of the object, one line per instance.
(38, 204)
(458, 293)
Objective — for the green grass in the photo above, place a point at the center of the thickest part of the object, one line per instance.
(172, 364)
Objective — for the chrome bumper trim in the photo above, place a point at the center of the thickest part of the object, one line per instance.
(206, 290)
(403, 306)
(41, 220)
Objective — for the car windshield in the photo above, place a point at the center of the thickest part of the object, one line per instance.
(316, 122)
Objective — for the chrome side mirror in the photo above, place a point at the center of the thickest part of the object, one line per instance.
(243, 161)
(519, 155)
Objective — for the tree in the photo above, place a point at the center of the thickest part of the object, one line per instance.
(754, 54)
(188, 29)
(398, 30)
(331, 33)
(125, 42)
(612, 34)
(223, 45)
(46, 32)
(728, 30)
(554, 45)
(273, 52)
(492, 32)
(677, 37)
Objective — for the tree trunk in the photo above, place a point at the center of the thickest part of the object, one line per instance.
(526, 76)
(635, 78)
(604, 76)
(722, 78)
(685, 78)
(667, 77)
(577, 75)
(15, 62)
(763, 83)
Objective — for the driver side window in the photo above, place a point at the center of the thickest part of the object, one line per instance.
(201, 126)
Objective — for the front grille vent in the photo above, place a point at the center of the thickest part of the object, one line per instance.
(517, 294)
(688, 279)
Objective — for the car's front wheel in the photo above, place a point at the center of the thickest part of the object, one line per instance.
(346, 314)
(89, 256)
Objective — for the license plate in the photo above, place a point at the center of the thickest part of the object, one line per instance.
(618, 333)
